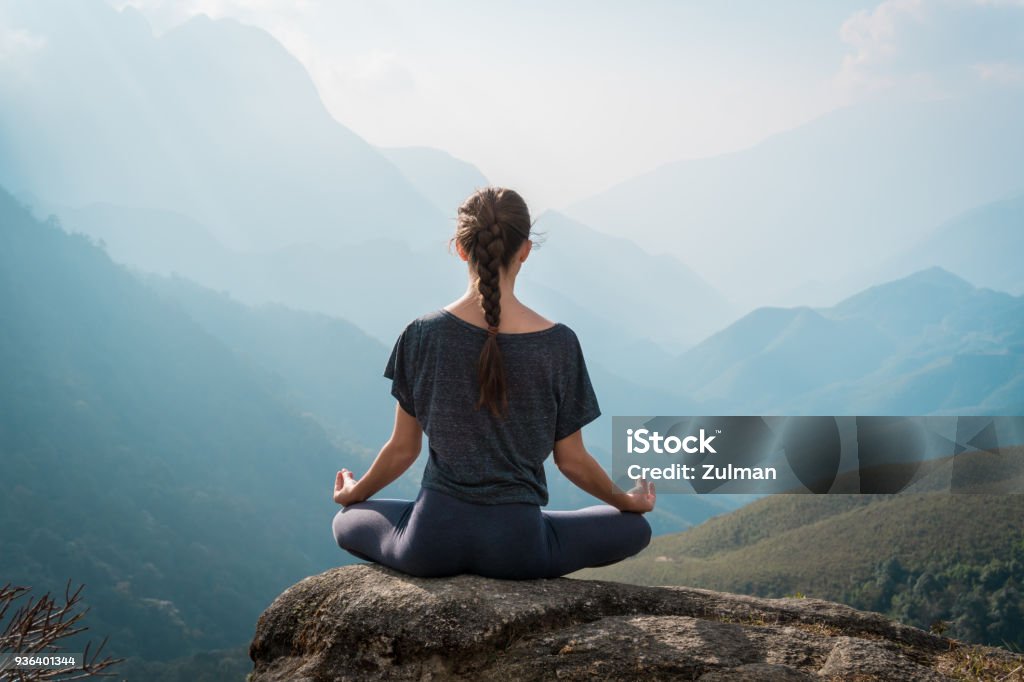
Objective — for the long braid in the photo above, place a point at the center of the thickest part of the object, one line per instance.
(490, 255)
(490, 252)
(492, 225)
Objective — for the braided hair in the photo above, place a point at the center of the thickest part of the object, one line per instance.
(491, 226)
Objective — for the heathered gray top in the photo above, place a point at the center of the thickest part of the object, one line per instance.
(474, 455)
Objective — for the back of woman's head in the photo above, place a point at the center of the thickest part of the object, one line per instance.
(491, 226)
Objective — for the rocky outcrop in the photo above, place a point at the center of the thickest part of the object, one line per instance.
(366, 622)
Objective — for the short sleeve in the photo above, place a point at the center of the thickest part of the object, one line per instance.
(577, 404)
(401, 367)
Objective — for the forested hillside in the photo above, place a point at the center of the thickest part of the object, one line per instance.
(142, 457)
(953, 561)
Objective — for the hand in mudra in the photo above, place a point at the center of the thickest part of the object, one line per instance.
(641, 497)
(344, 482)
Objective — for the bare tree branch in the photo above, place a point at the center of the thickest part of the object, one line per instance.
(36, 627)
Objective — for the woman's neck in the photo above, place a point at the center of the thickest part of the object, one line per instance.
(508, 295)
(469, 302)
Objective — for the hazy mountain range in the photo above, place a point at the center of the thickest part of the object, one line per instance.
(185, 157)
(577, 275)
(215, 120)
(143, 457)
(782, 221)
(927, 343)
(444, 180)
(982, 245)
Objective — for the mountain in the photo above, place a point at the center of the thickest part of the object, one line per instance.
(301, 276)
(437, 175)
(207, 151)
(331, 369)
(962, 349)
(645, 293)
(157, 241)
(577, 275)
(927, 343)
(983, 245)
(980, 244)
(143, 457)
(823, 200)
(213, 119)
(919, 557)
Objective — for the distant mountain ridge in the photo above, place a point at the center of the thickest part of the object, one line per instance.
(440, 177)
(577, 275)
(927, 343)
(225, 167)
(823, 200)
(981, 245)
(930, 342)
(331, 369)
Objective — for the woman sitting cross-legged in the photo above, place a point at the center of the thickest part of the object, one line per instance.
(496, 388)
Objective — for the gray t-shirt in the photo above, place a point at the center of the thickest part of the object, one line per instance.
(474, 455)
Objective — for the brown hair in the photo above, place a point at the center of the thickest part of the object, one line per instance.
(491, 226)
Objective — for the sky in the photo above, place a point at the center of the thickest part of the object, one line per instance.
(562, 100)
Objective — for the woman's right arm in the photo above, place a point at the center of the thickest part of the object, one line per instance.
(573, 460)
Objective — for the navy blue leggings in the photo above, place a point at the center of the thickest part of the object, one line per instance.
(438, 535)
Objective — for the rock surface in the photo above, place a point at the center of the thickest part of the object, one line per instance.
(366, 622)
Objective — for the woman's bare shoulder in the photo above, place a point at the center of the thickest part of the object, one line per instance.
(539, 320)
(525, 319)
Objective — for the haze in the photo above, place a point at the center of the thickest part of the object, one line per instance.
(564, 101)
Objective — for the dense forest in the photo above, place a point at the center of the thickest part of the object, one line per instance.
(976, 601)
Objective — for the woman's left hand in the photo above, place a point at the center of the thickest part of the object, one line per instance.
(344, 483)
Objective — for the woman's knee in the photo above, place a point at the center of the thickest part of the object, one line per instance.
(640, 531)
(345, 527)
(339, 528)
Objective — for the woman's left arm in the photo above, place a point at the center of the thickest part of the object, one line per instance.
(394, 458)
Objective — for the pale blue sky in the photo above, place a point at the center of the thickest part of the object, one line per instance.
(564, 99)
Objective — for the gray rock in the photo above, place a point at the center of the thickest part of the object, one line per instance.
(366, 622)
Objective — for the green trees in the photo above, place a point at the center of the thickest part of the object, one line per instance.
(975, 602)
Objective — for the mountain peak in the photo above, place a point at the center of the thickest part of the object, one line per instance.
(931, 287)
(938, 277)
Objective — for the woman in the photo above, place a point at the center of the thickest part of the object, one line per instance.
(496, 387)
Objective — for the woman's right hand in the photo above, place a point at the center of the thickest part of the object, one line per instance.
(640, 499)
(344, 483)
